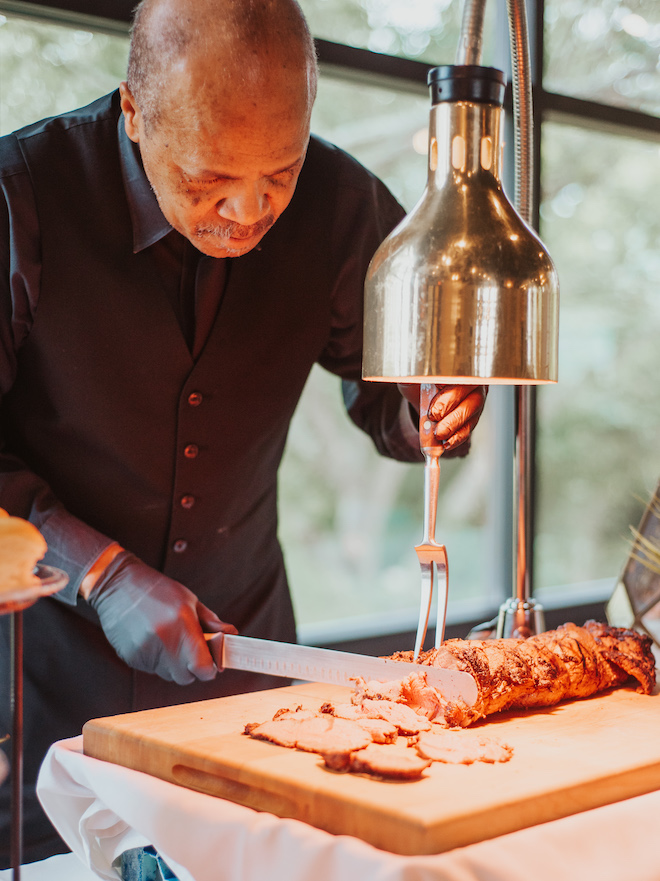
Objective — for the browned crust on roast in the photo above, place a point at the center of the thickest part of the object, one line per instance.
(628, 650)
(569, 662)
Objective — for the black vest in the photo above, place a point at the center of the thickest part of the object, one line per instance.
(108, 396)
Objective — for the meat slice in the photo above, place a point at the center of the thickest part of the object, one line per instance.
(407, 721)
(319, 733)
(343, 711)
(298, 713)
(377, 760)
(413, 691)
(422, 697)
(381, 731)
(377, 691)
(461, 747)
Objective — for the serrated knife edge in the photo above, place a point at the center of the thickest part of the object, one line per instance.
(313, 664)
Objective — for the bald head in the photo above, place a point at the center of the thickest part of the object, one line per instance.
(215, 49)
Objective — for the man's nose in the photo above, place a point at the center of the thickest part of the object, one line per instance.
(246, 206)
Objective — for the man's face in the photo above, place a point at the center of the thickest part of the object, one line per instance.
(222, 178)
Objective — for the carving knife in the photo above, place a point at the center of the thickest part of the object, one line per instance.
(313, 664)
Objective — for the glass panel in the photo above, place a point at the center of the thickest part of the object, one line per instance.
(425, 30)
(47, 69)
(598, 444)
(604, 50)
(350, 520)
(387, 131)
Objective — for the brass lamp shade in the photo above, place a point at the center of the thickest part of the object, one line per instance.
(463, 290)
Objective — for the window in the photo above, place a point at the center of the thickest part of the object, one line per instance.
(349, 520)
(600, 179)
(47, 68)
(425, 30)
(598, 444)
(605, 51)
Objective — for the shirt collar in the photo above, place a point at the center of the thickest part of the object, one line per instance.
(149, 224)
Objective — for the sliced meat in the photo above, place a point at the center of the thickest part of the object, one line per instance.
(380, 761)
(403, 718)
(298, 713)
(413, 691)
(321, 733)
(461, 747)
(343, 711)
(407, 721)
(422, 697)
(381, 731)
(372, 689)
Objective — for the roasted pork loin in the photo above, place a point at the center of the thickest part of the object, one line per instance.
(569, 662)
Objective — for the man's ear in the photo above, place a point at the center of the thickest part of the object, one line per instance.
(131, 112)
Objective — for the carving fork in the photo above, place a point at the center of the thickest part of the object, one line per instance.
(432, 556)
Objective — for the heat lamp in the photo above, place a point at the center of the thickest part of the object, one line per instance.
(463, 290)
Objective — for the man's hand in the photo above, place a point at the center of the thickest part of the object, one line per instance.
(456, 409)
(154, 623)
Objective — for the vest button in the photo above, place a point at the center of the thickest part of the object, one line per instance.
(195, 399)
(187, 501)
(179, 546)
(191, 451)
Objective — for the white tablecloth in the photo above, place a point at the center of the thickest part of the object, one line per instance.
(101, 809)
(64, 867)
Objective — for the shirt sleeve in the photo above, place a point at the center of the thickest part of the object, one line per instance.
(72, 545)
(366, 212)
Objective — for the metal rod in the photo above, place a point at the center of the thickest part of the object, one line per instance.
(524, 615)
(472, 29)
(16, 704)
(525, 427)
(524, 518)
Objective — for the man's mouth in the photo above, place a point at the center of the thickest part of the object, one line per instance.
(236, 232)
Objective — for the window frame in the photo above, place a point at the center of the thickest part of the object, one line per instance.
(367, 67)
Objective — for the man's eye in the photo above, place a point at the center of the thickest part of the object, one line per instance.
(283, 178)
(200, 181)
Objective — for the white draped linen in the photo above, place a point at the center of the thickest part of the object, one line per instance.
(102, 809)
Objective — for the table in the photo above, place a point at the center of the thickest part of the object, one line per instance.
(101, 810)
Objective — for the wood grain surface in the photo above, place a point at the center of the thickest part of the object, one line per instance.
(569, 758)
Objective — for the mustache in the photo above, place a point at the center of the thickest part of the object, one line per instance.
(233, 230)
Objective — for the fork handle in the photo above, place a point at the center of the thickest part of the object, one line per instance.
(432, 449)
(431, 484)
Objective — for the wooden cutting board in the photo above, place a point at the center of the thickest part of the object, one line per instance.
(569, 758)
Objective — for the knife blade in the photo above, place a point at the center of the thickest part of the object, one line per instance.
(313, 664)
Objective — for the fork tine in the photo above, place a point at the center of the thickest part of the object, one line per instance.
(442, 568)
(424, 606)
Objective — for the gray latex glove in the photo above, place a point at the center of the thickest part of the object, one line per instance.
(154, 623)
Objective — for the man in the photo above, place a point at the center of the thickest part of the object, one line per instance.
(175, 259)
